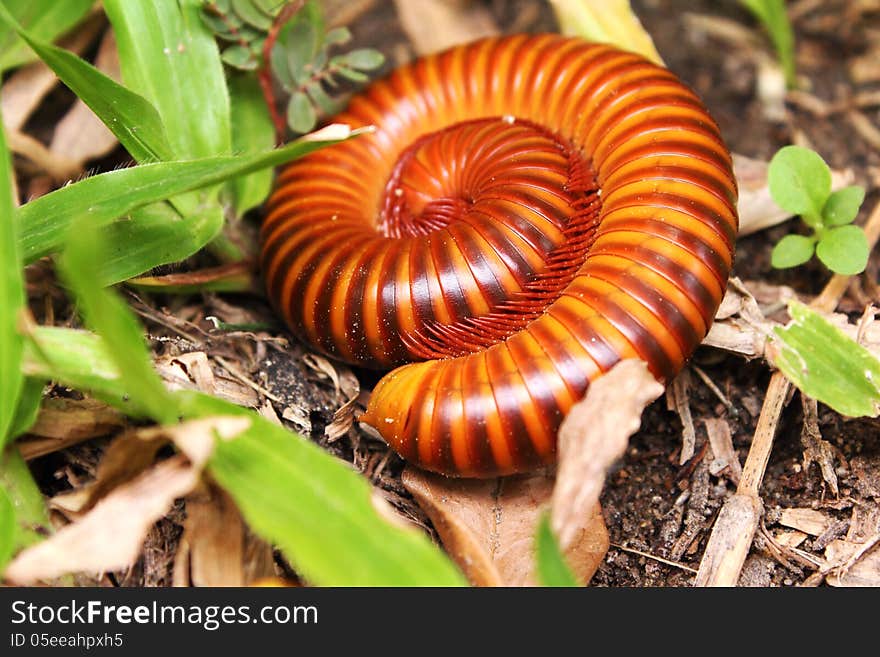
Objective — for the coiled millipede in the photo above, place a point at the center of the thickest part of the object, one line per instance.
(529, 211)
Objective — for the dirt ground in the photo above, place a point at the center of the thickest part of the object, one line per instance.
(658, 513)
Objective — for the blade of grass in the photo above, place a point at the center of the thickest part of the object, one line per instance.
(28, 406)
(45, 221)
(169, 56)
(30, 519)
(252, 131)
(12, 299)
(552, 569)
(44, 19)
(104, 310)
(129, 116)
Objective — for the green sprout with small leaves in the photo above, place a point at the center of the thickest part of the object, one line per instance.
(772, 15)
(289, 43)
(800, 183)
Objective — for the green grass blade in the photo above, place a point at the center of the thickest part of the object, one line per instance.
(106, 313)
(773, 16)
(316, 509)
(828, 365)
(45, 221)
(12, 299)
(552, 569)
(28, 406)
(169, 56)
(44, 19)
(81, 360)
(129, 116)
(29, 517)
(252, 131)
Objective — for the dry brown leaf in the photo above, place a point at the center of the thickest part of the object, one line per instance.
(110, 536)
(488, 525)
(211, 551)
(80, 135)
(593, 436)
(864, 569)
(435, 25)
(65, 422)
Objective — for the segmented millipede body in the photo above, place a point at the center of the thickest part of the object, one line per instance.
(529, 211)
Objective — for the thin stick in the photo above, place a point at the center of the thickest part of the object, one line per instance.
(674, 564)
(732, 535)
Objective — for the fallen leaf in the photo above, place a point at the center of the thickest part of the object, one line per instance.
(593, 436)
(65, 422)
(211, 551)
(109, 537)
(725, 457)
(488, 526)
(435, 25)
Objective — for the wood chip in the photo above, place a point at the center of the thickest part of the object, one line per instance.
(809, 521)
(721, 442)
(488, 525)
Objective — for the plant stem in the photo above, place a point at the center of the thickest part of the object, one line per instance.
(264, 74)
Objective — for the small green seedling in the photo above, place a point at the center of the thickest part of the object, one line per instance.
(299, 59)
(772, 15)
(800, 183)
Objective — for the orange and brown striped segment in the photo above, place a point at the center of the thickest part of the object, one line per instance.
(529, 211)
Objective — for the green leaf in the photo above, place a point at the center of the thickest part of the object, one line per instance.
(337, 36)
(7, 529)
(301, 116)
(827, 365)
(107, 314)
(842, 206)
(240, 57)
(351, 74)
(44, 222)
(844, 250)
(31, 521)
(772, 15)
(319, 512)
(792, 250)
(44, 20)
(28, 406)
(130, 117)
(364, 59)
(552, 569)
(252, 14)
(800, 182)
(12, 299)
(169, 56)
(81, 360)
(252, 131)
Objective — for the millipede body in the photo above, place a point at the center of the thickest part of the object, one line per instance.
(529, 211)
